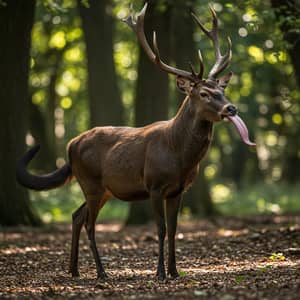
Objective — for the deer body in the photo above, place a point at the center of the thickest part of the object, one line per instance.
(158, 161)
(130, 162)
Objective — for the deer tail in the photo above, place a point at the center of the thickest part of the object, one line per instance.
(43, 182)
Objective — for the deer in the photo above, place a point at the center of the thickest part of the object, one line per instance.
(159, 161)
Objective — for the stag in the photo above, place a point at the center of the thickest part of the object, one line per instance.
(159, 161)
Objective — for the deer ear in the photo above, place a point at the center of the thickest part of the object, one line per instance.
(184, 85)
(224, 80)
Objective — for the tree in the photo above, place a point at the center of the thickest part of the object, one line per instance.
(288, 15)
(105, 103)
(152, 90)
(44, 133)
(16, 20)
(198, 198)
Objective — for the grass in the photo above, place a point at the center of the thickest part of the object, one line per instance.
(261, 198)
(58, 205)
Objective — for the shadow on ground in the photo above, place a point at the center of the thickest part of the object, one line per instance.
(225, 258)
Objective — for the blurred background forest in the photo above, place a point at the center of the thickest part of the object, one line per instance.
(69, 65)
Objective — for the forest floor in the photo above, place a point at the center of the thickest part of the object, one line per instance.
(224, 258)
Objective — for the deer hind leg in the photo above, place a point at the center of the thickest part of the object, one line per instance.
(78, 218)
(172, 208)
(95, 202)
(157, 202)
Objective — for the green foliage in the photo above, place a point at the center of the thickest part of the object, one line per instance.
(3, 3)
(58, 205)
(263, 87)
(58, 54)
(182, 273)
(259, 198)
(276, 257)
(239, 279)
(200, 293)
(264, 269)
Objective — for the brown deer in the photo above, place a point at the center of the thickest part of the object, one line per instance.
(159, 161)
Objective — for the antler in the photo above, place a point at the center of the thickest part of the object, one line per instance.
(137, 24)
(221, 61)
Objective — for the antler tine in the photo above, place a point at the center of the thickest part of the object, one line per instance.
(193, 70)
(200, 74)
(221, 61)
(201, 66)
(137, 24)
(214, 32)
(156, 51)
(224, 62)
(130, 19)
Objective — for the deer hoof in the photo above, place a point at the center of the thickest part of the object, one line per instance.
(74, 273)
(174, 274)
(102, 275)
(161, 277)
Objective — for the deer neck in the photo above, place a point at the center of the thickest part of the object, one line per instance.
(190, 135)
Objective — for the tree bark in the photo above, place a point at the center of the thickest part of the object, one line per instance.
(42, 121)
(46, 159)
(42, 125)
(104, 97)
(198, 198)
(288, 12)
(152, 90)
(16, 20)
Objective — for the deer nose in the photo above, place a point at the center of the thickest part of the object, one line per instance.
(232, 110)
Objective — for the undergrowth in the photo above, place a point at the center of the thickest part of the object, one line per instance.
(58, 205)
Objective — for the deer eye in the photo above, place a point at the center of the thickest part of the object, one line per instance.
(204, 95)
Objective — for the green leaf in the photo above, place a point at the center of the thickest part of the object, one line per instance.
(182, 273)
(200, 293)
(239, 278)
(277, 257)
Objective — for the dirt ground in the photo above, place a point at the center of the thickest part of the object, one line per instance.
(225, 258)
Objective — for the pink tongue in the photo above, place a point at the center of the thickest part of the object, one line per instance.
(242, 129)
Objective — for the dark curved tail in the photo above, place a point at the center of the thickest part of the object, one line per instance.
(43, 182)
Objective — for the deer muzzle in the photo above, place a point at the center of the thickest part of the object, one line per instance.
(228, 110)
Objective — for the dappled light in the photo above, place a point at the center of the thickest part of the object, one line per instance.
(16, 250)
(218, 259)
(75, 79)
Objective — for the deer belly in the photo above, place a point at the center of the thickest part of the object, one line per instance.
(126, 188)
(133, 196)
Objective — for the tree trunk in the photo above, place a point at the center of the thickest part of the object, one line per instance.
(104, 97)
(152, 91)
(16, 20)
(42, 125)
(45, 160)
(288, 12)
(198, 198)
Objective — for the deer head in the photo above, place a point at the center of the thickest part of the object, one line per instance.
(208, 94)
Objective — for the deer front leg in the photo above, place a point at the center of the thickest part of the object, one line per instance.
(172, 208)
(157, 202)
